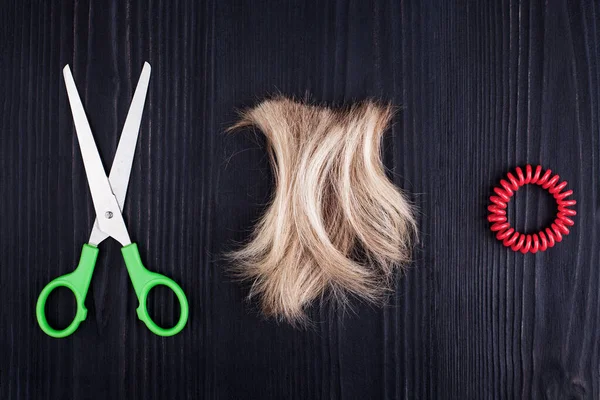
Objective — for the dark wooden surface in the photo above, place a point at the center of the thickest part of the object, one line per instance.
(483, 86)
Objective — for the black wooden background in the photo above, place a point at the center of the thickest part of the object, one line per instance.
(483, 87)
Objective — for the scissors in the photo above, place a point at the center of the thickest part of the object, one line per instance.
(108, 196)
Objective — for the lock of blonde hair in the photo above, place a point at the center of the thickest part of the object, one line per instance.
(336, 225)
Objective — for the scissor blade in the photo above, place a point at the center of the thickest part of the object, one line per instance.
(123, 161)
(107, 208)
(121, 168)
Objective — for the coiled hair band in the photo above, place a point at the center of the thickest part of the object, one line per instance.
(545, 238)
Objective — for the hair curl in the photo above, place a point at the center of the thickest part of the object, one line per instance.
(336, 224)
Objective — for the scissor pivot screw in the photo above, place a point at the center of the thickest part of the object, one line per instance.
(108, 214)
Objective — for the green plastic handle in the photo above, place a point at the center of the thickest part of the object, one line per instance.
(78, 282)
(143, 281)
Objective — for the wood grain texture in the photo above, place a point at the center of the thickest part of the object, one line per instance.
(482, 86)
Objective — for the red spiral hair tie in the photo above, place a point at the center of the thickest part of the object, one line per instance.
(546, 237)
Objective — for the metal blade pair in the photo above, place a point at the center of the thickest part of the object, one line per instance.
(108, 194)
